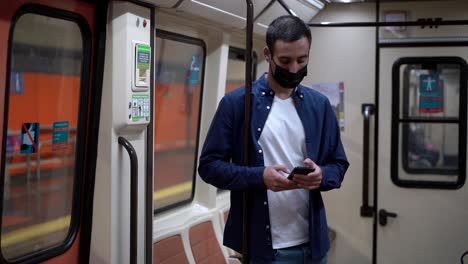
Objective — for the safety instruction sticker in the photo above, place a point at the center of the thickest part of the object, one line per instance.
(143, 56)
(140, 107)
(60, 135)
(29, 138)
(431, 93)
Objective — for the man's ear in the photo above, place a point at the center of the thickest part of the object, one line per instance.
(267, 53)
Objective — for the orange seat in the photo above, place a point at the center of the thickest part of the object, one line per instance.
(170, 251)
(205, 246)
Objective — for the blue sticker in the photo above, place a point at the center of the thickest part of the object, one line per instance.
(29, 138)
(60, 135)
(194, 70)
(17, 83)
(13, 143)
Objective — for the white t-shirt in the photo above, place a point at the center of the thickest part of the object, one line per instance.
(283, 142)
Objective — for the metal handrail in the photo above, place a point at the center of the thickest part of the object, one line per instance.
(133, 198)
(366, 210)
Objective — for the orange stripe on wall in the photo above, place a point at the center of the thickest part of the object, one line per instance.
(47, 98)
(172, 107)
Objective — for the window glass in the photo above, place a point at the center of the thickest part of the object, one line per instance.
(427, 122)
(43, 107)
(431, 146)
(178, 86)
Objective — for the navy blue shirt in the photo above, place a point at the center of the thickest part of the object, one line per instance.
(223, 154)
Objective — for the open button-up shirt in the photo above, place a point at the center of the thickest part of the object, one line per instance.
(223, 155)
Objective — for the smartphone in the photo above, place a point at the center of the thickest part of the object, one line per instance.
(300, 170)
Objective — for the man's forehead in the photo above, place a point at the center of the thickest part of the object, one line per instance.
(297, 48)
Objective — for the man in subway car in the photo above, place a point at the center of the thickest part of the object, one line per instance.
(291, 126)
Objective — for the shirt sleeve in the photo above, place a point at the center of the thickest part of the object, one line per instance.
(335, 163)
(215, 167)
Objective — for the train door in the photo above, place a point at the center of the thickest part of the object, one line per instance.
(422, 192)
(46, 129)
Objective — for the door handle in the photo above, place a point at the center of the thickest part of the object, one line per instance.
(133, 197)
(367, 111)
(383, 214)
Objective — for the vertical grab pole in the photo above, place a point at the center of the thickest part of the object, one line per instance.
(247, 141)
(133, 198)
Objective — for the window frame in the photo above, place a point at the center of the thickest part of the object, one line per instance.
(159, 33)
(82, 127)
(239, 54)
(396, 122)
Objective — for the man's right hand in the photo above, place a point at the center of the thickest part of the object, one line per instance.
(275, 181)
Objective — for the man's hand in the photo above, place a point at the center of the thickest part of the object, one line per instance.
(275, 181)
(312, 180)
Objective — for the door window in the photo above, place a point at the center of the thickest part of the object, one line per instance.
(42, 158)
(429, 122)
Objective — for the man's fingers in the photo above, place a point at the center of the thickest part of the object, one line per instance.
(309, 187)
(282, 168)
(310, 177)
(287, 184)
(309, 163)
(304, 180)
(284, 184)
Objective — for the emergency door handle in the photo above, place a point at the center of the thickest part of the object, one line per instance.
(133, 197)
(383, 214)
(367, 111)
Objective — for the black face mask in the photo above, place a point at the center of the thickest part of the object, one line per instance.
(286, 78)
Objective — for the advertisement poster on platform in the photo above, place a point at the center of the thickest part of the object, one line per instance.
(335, 93)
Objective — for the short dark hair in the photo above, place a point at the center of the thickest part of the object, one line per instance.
(287, 28)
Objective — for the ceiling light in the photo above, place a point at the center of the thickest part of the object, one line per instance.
(346, 1)
(262, 25)
(217, 9)
(292, 12)
(316, 3)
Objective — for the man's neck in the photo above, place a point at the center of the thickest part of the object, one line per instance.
(281, 92)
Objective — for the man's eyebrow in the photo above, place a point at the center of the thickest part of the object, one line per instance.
(290, 57)
(285, 59)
